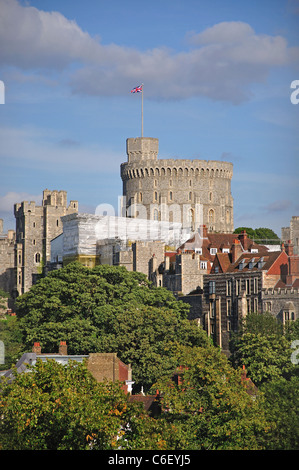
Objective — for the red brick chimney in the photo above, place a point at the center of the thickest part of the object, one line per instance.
(63, 348)
(243, 239)
(37, 348)
(236, 250)
(204, 231)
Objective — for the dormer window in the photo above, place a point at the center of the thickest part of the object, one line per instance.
(254, 250)
(198, 250)
(251, 263)
(213, 251)
(241, 264)
(225, 250)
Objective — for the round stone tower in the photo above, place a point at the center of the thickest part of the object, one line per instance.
(193, 192)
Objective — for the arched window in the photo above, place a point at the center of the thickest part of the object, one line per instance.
(37, 257)
(156, 214)
(211, 216)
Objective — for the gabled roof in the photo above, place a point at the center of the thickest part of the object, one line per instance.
(223, 260)
(254, 261)
(220, 241)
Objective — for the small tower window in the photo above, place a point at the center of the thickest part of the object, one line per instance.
(37, 257)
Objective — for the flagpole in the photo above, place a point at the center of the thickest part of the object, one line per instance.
(142, 111)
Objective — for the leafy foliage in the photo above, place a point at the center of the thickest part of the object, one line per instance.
(282, 410)
(108, 309)
(263, 347)
(210, 408)
(56, 407)
(11, 336)
(260, 235)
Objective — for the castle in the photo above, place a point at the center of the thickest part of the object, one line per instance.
(191, 192)
(175, 226)
(26, 251)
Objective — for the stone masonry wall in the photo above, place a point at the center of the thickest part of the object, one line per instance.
(180, 185)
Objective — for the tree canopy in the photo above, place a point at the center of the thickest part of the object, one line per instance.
(57, 407)
(260, 235)
(108, 309)
(210, 407)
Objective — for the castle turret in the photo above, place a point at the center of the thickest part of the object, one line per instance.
(142, 148)
(191, 192)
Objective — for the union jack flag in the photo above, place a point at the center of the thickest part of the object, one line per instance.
(137, 89)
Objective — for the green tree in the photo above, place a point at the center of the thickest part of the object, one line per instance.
(108, 309)
(11, 336)
(57, 407)
(209, 408)
(260, 235)
(263, 347)
(3, 300)
(282, 410)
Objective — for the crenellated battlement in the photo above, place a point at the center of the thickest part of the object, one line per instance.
(204, 185)
(281, 291)
(176, 168)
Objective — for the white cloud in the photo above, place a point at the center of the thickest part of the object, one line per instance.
(49, 150)
(222, 63)
(9, 199)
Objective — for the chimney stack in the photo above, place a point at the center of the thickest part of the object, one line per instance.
(236, 250)
(63, 348)
(37, 348)
(243, 239)
(289, 248)
(204, 231)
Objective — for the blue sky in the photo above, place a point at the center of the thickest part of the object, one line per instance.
(216, 76)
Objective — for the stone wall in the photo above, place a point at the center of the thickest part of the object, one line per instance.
(291, 233)
(180, 185)
(283, 303)
(7, 260)
(36, 226)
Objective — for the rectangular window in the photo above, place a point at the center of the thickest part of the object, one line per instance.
(255, 285)
(212, 287)
(228, 307)
(228, 288)
(247, 283)
(237, 287)
(213, 251)
(212, 309)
